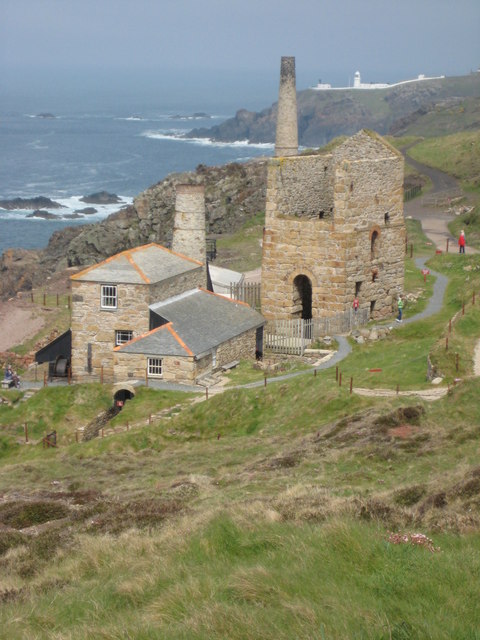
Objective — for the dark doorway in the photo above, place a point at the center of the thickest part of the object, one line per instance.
(259, 343)
(302, 296)
(120, 397)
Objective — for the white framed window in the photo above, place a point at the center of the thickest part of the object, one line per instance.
(155, 367)
(122, 336)
(108, 296)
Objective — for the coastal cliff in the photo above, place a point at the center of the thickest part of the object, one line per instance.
(324, 115)
(233, 193)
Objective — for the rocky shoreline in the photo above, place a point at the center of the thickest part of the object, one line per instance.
(234, 193)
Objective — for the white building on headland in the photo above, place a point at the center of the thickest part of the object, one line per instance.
(358, 84)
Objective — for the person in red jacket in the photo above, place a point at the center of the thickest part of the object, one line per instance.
(461, 242)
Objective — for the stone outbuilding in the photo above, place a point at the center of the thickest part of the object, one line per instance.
(152, 300)
(195, 332)
(334, 224)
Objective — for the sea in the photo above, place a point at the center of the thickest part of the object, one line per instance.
(66, 138)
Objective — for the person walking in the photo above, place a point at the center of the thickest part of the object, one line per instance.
(461, 242)
(400, 309)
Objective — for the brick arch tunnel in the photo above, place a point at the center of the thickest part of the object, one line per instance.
(122, 393)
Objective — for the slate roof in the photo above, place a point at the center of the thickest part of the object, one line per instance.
(197, 321)
(147, 264)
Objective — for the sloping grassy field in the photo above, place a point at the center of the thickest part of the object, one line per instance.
(260, 513)
(292, 510)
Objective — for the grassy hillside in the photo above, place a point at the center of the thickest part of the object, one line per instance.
(457, 154)
(260, 513)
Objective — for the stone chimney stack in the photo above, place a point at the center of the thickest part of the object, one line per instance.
(286, 143)
(189, 236)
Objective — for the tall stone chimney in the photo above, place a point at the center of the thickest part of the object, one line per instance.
(189, 236)
(286, 143)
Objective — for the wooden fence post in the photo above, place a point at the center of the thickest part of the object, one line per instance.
(44, 299)
(265, 381)
(57, 299)
(457, 358)
(340, 379)
(398, 389)
(68, 302)
(336, 374)
(26, 432)
(411, 250)
(463, 309)
(446, 343)
(351, 385)
(450, 326)
(447, 245)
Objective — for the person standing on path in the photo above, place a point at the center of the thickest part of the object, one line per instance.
(461, 242)
(400, 308)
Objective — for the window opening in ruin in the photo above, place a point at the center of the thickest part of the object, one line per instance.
(321, 215)
(374, 244)
(387, 218)
(357, 289)
(351, 187)
(372, 308)
(374, 275)
(302, 297)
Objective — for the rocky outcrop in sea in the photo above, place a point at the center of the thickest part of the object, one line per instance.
(234, 193)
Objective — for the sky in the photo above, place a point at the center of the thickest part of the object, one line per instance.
(387, 40)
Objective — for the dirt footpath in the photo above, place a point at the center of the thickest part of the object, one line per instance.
(19, 320)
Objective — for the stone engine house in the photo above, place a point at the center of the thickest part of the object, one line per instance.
(334, 224)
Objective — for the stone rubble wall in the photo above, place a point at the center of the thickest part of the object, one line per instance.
(92, 325)
(132, 366)
(176, 285)
(301, 186)
(241, 347)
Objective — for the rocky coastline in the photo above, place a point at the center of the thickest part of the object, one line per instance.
(233, 194)
(324, 115)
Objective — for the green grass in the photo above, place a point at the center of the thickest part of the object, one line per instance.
(242, 250)
(260, 513)
(457, 154)
(470, 223)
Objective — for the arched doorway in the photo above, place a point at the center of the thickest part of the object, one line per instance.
(302, 297)
(120, 397)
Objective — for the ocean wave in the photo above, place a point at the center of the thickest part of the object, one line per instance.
(72, 207)
(179, 137)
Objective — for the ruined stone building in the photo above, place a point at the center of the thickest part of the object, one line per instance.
(334, 225)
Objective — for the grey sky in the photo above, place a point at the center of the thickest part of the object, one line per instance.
(387, 40)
